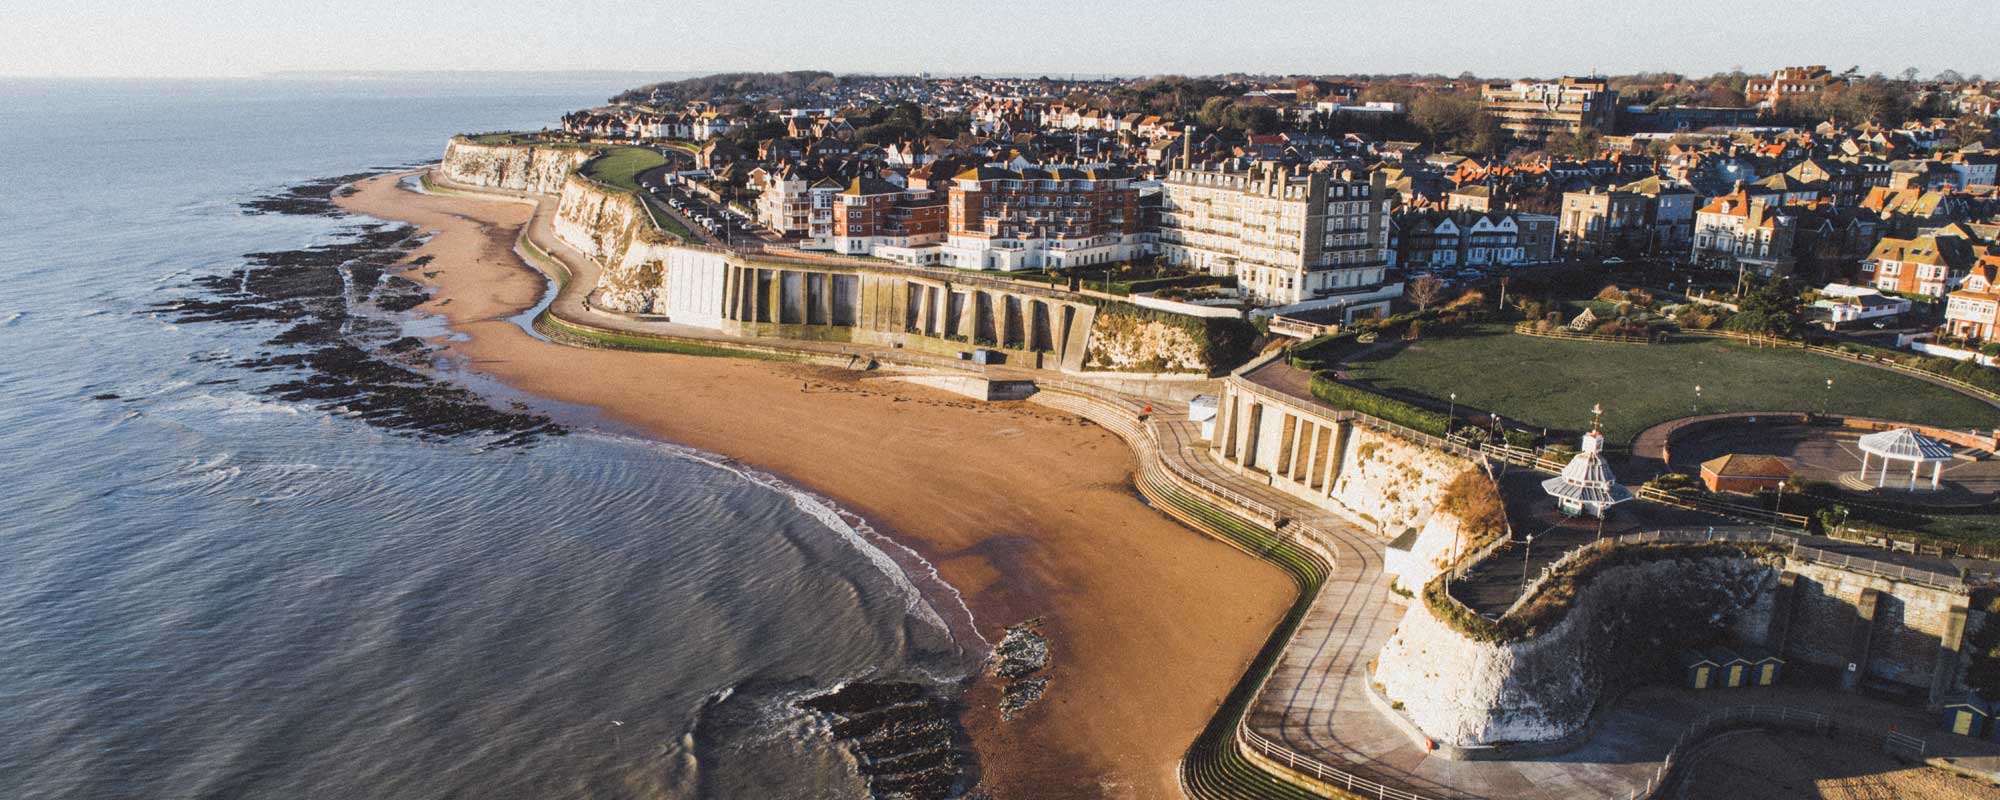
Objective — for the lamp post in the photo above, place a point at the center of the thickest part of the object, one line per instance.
(1530, 548)
(1778, 508)
(1451, 413)
(1826, 404)
(1697, 399)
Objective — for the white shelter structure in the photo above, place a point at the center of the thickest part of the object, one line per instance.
(1903, 444)
(1586, 485)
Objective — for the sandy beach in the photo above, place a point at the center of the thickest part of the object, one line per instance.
(1027, 512)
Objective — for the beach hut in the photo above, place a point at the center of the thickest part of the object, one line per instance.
(1966, 715)
(1698, 669)
(1765, 667)
(1734, 668)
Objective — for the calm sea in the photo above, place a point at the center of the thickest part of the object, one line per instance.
(206, 592)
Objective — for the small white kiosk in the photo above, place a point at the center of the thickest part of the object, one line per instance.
(1586, 485)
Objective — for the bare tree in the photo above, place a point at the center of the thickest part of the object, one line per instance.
(1424, 291)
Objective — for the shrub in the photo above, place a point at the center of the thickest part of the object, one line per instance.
(1383, 407)
(1474, 499)
(1472, 298)
(1521, 438)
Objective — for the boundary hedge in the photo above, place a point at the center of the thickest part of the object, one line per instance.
(1340, 395)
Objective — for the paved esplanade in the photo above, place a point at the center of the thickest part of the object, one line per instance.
(1316, 701)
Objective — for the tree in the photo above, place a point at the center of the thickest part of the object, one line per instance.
(1424, 291)
(1772, 309)
(1949, 76)
(1910, 74)
(1444, 117)
(1214, 112)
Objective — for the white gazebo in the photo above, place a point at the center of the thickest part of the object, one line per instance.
(1903, 444)
(1586, 485)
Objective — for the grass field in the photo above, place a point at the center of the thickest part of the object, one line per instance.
(1552, 382)
(619, 167)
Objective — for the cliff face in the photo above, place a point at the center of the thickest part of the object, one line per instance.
(614, 229)
(1623, 626)
(525, 168)
(1125, 342)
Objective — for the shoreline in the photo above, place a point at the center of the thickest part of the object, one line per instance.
(1146, 645)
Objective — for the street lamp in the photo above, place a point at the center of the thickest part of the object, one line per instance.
(1451, 412)
(1524, 561)
(1826, 405)
(1779, 508)
(1697, 399)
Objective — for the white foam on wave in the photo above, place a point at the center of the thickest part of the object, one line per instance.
(239, 403)
(856, 531)
(10, 319)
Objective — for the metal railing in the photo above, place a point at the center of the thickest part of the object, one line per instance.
(1727, 509)
(1320, 770)
(1896, 572)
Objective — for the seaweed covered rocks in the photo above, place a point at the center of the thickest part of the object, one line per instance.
(1022, 653)
(341, 347)
(905, 740)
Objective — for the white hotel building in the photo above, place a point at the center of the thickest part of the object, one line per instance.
(1297, 240)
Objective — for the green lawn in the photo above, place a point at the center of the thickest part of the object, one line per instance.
(1552, 382)
(619, 167)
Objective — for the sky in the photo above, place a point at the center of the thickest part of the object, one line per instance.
(1493, 38)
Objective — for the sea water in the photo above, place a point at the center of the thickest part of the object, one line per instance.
(209, 592)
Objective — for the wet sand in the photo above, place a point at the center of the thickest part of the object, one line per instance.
(1027, 512)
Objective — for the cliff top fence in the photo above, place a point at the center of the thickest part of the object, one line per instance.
(1797, 550)
(1747, 513)
(1744, 534)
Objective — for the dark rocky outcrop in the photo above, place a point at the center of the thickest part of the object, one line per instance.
(340, 347)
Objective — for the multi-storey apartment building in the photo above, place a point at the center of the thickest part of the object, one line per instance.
(875, 217)
(1290, 236)
(1787, 83)
(1532, 112)
(795, 200)
(1740, 232)
(1601, 223)
(1035, 218)
(992, 217)
(1670, 207)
